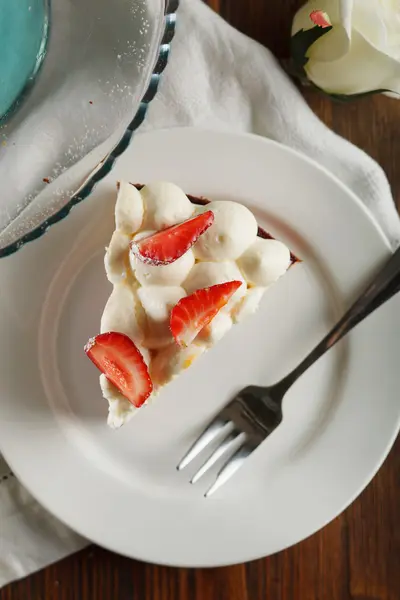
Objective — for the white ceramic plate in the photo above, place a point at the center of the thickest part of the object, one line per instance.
(121, 488)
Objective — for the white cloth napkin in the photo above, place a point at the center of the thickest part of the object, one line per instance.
(217, 78)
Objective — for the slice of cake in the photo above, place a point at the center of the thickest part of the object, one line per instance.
(182, 275)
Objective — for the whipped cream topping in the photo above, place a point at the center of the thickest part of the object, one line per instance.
(121, 313)
(165, 204)
(171, 361)
(166, 275)
(248, 304)
(143, 294)
(170, 275)
(157, 302)
(116, 259)
(264, 262)
(232, 232)
(206, 274)
(129, 208)
(214, 331)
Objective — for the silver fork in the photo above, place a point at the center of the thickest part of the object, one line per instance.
(256, 411)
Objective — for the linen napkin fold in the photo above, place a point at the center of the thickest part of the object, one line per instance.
(217, 78)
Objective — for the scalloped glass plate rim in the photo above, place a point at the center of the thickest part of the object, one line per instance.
(101, 170)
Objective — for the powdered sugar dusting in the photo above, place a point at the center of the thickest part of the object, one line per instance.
(89, 344)
(84, 113)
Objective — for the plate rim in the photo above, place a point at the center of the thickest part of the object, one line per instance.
(389, 444)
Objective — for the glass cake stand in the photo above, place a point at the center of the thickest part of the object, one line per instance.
(78, 87)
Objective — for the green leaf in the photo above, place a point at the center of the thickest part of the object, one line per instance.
(302, 40)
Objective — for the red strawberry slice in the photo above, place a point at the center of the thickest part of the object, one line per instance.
(194, 312)
(121, 362)
(166, 246)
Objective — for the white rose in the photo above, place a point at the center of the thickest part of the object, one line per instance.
(361, 53)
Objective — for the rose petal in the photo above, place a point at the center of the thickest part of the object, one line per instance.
(320, 18)
(336, 42)
(379, 23)
(362, 69)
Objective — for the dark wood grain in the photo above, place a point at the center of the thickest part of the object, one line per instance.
(356, 557)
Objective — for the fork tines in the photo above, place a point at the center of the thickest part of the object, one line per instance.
(232, 440)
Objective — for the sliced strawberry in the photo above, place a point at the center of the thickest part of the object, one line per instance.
(121, 362)
(194, 312)
(166, 246)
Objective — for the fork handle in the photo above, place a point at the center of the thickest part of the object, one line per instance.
(382, 288)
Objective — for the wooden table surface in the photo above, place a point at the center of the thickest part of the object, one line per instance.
(356, 557)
